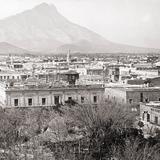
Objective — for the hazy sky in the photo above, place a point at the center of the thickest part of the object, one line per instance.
(135, 22)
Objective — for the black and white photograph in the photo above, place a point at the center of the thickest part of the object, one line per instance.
(79, 79)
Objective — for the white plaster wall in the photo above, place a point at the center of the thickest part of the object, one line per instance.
(37, 96)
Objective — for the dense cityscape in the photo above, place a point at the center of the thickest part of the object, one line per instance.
(70, 93)
(41, 90)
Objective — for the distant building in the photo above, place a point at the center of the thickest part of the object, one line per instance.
(153, 81)
(95, 71)
(146, 70)
(113, 72)
(7, 75)
(15, 64)
(92, 79)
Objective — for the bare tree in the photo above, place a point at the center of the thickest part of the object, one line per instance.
(106, 126)
(138, 151)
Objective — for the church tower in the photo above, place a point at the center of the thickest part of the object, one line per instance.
(68, 57)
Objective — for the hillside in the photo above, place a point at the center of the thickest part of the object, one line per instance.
(6, 48)
(44, 29)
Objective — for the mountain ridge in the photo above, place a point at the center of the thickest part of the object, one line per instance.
(44, 29)
(7, 48)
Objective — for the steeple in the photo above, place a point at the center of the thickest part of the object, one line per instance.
(33, 70)
(68, 57)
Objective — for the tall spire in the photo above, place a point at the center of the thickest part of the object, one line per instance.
(68, 57)
(33, 70)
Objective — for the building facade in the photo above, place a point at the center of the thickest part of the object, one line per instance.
(132, 95)
(27, 97)
(33, 92)
(150, 114)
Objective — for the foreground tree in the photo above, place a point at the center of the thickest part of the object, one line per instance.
(139, 151)
(107, 127)
(108, 131)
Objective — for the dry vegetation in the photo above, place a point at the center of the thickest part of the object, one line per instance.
(78, 132)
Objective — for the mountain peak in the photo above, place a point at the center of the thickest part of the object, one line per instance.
(44, 29)
(45, 6)
(42, 5)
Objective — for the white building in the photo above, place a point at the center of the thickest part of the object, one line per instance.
(150, 115)
(34, 93)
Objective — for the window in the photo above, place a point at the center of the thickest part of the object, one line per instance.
(95, 99)
(159, 99)
(82, 99)
(15, 102)
(148, 117)
(141, 97)
(147, 100)
(156, 120)
(69, 98)
(12, 77)
(130, 101)
(56, 100)
(43, 101)
(30, 101)
(73, 77)
(143, 116)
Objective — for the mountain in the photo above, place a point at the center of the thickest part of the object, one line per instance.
(87, 47)
(44, 29)
(6, 48)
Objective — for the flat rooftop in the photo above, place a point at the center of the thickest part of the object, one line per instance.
(128, 87)
(153, 104)
(54, 87)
